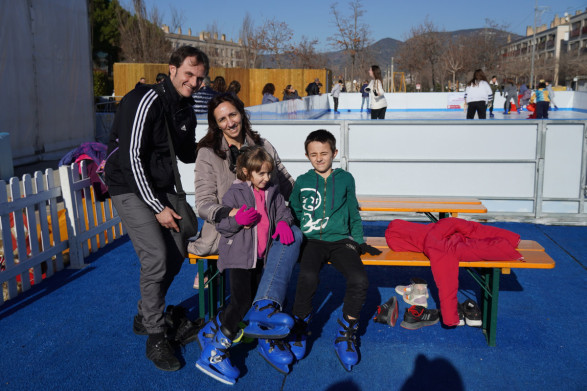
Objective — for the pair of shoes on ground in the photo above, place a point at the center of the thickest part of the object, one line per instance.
(416, 293)
(179, 331)
(179, 328)
(470, 314)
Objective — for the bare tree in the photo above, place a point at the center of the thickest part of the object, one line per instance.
(246, 35)
(454, 58)
(409, 59)
(141, 37)
(352, 35)
(277, 37)
(213, 29)
(428, 43)
(177, 18)
(304, 55)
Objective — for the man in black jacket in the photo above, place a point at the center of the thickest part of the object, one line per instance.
(314, 87)
(139, 175)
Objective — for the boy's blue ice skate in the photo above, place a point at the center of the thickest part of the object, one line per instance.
(276, 352)
(266, 321)
(214, 360)
(299, 334)
(345, 344)
(207, 333)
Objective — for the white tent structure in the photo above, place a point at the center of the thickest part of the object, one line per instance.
(46, 103)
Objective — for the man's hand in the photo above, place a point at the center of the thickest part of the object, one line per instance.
(167, 218)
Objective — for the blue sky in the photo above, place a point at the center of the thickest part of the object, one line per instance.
(386, 18)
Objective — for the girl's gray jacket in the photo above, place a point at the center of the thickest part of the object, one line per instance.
(238, 246)
(213, 178)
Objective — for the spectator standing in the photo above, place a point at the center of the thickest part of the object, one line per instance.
(477, 94)
(268, 92)
(203, 96)
(219, 85)
(511, 92)
(364, 95)
(141, 81)
(314, 87)
(234, 87)
(494, 87)
(290, 93)
(160, 77)
(336, 89)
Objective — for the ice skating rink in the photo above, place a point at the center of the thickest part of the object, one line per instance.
(391, 114)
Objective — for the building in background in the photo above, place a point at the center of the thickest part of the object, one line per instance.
(567, 34)
(222, 53)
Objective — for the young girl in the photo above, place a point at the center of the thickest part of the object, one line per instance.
(243, 246)
(377, 100)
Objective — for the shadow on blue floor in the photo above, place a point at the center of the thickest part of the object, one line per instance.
(73, 331)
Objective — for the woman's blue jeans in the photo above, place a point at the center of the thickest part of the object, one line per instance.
(281, 261)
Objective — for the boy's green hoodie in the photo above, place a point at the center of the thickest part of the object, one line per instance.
(327, 209)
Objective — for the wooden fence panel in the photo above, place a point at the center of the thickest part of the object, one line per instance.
(35, 233)
(28, 253)
(126, 76)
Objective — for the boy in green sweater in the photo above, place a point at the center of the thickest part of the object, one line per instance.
(324, 202)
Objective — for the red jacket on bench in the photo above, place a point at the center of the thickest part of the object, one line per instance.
(446, 243)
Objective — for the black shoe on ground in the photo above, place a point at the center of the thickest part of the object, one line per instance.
(159, 351)
(472, 312)
(179, 328)
(461, 315)
(417, 316)
(187, 331)
(137, 325)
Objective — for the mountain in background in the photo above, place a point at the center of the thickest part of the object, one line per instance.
(385, 48)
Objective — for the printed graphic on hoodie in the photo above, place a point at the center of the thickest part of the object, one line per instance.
(311, 202)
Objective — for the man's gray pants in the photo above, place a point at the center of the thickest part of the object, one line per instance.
(158, 252)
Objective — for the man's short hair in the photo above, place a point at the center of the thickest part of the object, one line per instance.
(322, 136)
(181, 53)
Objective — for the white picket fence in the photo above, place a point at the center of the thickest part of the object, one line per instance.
(31, 219)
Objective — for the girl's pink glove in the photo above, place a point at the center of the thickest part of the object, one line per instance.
(246, 216)
(284, 232)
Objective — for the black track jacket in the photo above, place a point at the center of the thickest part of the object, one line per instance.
(142, 164)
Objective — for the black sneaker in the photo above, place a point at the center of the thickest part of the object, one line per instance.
(161, 353)
(187, 331)
(137, 325)
(417, 316)
(472, 312)
(179, 328)
(461, 315)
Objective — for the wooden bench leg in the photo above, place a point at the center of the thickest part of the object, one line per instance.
(202, 288)
(488, 280)
(215, 287)
(490, 297)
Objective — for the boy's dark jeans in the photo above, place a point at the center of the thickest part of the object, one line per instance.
(345, 258)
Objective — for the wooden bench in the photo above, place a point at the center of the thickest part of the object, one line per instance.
(444, 206)
(485, 273)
